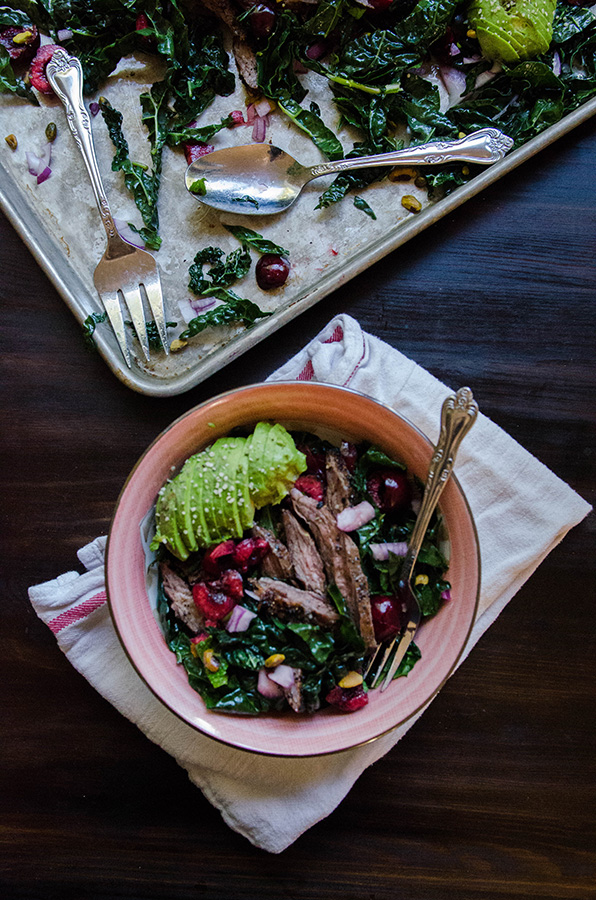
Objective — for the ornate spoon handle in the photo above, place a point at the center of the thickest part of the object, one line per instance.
(486, 146)
(65, 75)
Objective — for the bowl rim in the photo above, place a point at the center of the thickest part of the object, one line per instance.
(233, 743)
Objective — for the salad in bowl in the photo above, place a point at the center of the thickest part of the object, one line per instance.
(253, 560)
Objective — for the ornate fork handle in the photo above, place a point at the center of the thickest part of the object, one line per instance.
(458, 414)
(65, 75)
(486, 146)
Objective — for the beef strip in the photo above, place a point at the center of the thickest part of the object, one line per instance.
(339, 490)
(294, 694)
(179, 594)
(304, 555)
(341, 560)
(277, 563)
(245, 57)
(289, 602)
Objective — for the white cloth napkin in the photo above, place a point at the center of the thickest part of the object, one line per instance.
(521, 511)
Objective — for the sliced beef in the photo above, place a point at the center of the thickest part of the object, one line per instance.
(307, 563)
(179, 594)
(339, 490)
(277, 563)
(245, 57)
(341, 560)
(294, 694)
(289, 602)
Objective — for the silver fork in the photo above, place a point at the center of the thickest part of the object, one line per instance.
(458, 414)
(124, 269)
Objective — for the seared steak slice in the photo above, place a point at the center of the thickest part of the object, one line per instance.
(339, 490)
(244, 55)
(289, 602)
(341, 560)
(294, 694)
(277, 563)
(179, 594)
(307, 563)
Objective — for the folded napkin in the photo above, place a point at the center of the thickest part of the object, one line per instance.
(521, 511)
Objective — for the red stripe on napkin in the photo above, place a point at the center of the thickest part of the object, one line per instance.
(78, 612)
(336, 337)
(307, 374)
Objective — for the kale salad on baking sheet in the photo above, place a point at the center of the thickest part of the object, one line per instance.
(398, 71)
(339, 77)
(278, 558)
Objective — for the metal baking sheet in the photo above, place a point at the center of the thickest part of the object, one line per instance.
(59, 223)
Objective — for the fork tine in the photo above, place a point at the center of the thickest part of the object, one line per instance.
(112, 307)
(152, 285)
(378, 661)
(134, 304)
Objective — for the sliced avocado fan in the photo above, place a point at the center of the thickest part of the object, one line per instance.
(215, 494)
(512, 30)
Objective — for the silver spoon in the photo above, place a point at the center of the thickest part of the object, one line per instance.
(259, 179)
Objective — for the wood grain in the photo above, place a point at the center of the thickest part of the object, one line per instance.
(491, 795)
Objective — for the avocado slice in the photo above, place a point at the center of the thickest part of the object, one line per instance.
(512, 30)
(166, 524)
(274, 463)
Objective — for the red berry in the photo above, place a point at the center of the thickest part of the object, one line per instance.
(349, 455)
(262, 20)
(213, 604)
(219, 557)
(386, 616)
(37, 72)
(315, 460)
(347, 699)
(389, 489)
(237, 118)
(272, 271)
(310, 485)
(249, 553)
(231, 584)
(20, 52)
(195, 151)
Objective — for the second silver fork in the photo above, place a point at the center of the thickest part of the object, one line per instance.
(124, 269)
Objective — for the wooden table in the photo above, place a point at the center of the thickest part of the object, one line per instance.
(491, 794)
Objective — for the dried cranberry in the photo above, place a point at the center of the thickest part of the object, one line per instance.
(347, 699)
(272, 271)
(23, 50)
(37, 72)
(389, 489)
(213, 604)
(249, 553)
(219, 557)
(231, 584)
(147, 42)
(262, 20)
(349, 454)
(195, 151)
(386, 616)
(310, 485)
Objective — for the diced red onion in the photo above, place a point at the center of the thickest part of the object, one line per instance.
(240, 619)
(453, 50)
(40, 165)
(250, 114)
(201, 304)
(455, 83)
(266, 687)
(64, 34)
(467, 60)
(446, 595)
(557, 63)
(284, 676)
(127, 234)
(94, 108)
(354, 517)
(484, 78)
(263, 107)
(382, 551)
(259, 130)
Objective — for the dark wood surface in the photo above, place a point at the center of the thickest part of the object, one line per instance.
(491, 794)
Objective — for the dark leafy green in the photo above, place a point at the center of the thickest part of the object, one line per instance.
(360, 203)
(252, 239)
(234, 311)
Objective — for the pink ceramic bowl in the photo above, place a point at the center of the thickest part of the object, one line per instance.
(331, 412)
